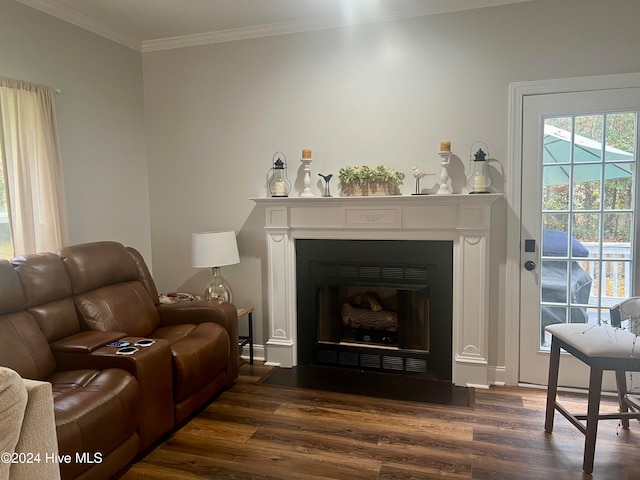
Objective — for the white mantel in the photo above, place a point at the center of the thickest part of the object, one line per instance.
(463, 219)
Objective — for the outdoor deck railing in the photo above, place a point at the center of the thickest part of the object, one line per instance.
(616, 268)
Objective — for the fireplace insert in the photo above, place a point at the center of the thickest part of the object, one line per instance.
(376, 305)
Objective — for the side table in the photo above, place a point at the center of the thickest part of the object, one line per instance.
(244, 339)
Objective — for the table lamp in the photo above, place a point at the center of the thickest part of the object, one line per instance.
(214, 250)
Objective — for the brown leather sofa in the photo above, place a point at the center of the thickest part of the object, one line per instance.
(59, 310)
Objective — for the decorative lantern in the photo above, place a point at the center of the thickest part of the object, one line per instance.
(279, 184)
(480, 180)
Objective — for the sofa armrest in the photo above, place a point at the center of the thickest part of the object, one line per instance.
(13, 402)
(38, 434)
(85, 342)
(224, 314)
(197, 312)
(28, 427)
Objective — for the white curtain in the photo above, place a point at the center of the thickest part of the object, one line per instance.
(30, 150)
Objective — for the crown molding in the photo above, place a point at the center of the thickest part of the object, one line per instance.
(80, 20)
(243, 33)
(272, 29)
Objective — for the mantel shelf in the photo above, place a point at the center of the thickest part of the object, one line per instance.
(453, 199)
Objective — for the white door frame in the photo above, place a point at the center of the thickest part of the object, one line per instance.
(517, 92)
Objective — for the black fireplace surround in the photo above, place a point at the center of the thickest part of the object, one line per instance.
(419, 274)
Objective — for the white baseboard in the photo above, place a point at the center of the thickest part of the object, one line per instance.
(258, 353)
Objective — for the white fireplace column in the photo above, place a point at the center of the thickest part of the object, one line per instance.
(281, 348)
(471, 329)
(463, 219)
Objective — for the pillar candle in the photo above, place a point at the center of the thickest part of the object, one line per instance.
(479, 183)
(306, 153)
(445, 146)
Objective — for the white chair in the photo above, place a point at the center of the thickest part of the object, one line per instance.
(601, 347)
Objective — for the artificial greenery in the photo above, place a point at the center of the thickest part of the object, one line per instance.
(380, 174)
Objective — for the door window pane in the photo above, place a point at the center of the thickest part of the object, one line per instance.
(557, 140)
(620, 138)
(555, 221)
(587, 145)
(554, 281)
(588, 215)
(618, 186)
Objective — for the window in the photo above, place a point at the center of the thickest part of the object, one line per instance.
(32, 205)
(6, 246)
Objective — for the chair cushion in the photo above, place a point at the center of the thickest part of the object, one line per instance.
(88, 404)
(199, 353)
(123, 307)
(24, 348)
(47, 292)
(98, 264)
(602, 341)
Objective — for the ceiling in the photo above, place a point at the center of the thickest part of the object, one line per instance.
(146, 25)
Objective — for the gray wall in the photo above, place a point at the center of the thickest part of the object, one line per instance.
(215, 115)
(381, 93)
(101, 120)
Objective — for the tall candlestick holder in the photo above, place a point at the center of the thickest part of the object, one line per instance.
(445, 187)
(306, 162)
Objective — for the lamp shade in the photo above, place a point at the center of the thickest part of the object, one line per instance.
(214, 249)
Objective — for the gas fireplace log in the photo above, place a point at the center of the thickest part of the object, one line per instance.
(366, 299)
(364, 318)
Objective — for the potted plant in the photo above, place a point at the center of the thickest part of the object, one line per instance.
(365, 180)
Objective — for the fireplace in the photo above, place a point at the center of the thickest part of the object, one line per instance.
(375, 304)
(462, 222)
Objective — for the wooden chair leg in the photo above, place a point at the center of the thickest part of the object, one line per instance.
(621, 383)
(593, 411)
(552, 385)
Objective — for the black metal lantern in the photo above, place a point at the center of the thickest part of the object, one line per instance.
(279, 184)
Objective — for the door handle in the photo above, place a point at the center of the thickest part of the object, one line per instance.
(529, 265)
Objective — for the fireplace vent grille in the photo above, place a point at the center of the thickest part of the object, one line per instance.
(343, 270)
(395, 273)
(392, 363)
(348, 358)
(368, 271)
(418, 365)
(413, 273)
(372, 361)
(327, 356)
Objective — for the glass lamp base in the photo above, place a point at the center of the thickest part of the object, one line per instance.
(217, 290)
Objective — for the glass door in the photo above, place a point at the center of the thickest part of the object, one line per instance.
(579, 216)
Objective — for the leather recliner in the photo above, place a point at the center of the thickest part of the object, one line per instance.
(96, 410)
(114, 291)
(59, 311)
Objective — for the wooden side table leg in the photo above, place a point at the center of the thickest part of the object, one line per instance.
(250, 319)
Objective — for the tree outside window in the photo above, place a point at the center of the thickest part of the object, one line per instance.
(6, 247)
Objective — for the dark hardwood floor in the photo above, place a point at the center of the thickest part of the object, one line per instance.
(257, 431)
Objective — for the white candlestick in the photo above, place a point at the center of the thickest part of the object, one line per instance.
(445, 188)
(306, 192)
